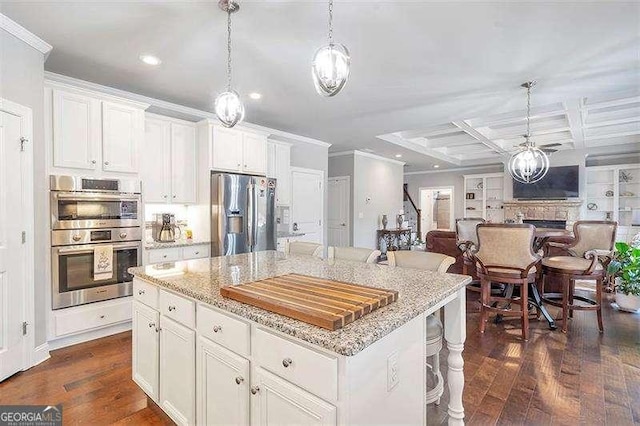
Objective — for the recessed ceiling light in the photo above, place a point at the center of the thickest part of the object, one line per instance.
(398, 155)
(436, 166)
(150, 60)
(255, 95)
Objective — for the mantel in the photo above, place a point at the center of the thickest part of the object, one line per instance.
(567, 203)
(567, 210)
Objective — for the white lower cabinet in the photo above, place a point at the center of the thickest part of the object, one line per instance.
(177, 371)
(222, 385)
(275, 401)
(146, 352)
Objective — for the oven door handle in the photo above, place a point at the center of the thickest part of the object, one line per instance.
(83, 249)
(95, 197)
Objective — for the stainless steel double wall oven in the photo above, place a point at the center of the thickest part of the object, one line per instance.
(87, 213)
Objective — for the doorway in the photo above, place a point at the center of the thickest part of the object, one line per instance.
(307, 204)
(338, 221)
(436, 206)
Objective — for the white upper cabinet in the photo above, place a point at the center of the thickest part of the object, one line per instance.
(122, 131)
(254, 154)
(90, 131)
(227, 149)
(76, 130)
(169, 161)
(279, 167)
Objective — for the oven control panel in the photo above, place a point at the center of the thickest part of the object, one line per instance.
(68, 237)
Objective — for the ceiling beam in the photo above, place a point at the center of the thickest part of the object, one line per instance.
(573, 109)
(396, 139)
(442, 129)
(480, 136)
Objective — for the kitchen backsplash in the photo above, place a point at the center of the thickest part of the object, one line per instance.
(194, 217)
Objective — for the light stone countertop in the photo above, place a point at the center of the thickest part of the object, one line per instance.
(201, 279)
(154, 245)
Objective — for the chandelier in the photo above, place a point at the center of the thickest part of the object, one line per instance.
(330, 69)
(228, 106)
(530, 163)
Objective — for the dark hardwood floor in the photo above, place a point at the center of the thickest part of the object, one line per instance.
(581, 377)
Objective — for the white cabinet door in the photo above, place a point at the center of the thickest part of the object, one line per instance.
(183, 164)
(227, 149)
(283, 175)
(278, 402)
(254, 148)
(223, 385)
(121, 133)
(76, 131)
(146, 349)
(177, 367)
(155, 162)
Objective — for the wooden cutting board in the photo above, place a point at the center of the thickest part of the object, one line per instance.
(324, 303)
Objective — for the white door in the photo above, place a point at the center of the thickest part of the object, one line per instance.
(307, 203)
(177, 371)
(183, 164)
(155, 162)
(283, 174)
(223, 385)
(15, 123)
(254, 152)
(338, 211)
(76, 131)
(146, 347)
(121, 133)
(227, 149)
(277, 402)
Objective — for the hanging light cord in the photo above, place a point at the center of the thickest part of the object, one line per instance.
(330, 22)
(529, 143)
(228, 48)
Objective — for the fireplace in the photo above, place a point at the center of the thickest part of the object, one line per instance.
(541, 223)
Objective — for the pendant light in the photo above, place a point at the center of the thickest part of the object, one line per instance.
(228, 106)
(530, 164)
(330, 69)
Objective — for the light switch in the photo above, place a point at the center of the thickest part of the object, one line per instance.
(360, 215)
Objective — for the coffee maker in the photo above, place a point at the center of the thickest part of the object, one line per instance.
(164, 228)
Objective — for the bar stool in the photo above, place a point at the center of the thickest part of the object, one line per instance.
(428, 261)
(505, 254)
(592, 246)
(467, 242)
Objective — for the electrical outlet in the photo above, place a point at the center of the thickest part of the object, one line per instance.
(392, 371)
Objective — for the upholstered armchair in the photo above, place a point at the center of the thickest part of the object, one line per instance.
(305, 248)
(356, 254)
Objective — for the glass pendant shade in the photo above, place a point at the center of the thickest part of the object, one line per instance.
(330, 69)
(529, 165)
(229, 108)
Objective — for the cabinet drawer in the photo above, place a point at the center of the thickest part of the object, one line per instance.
(179, 308)
(83, 318)
(145, 293)
(311, 370)
(229, 332)
(165, 255)
(195, 252)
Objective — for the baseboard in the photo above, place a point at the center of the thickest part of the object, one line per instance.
(74, 339)
(40, 354)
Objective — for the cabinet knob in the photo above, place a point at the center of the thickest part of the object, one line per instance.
(174, 196)
(197, 252)
(164, 196)
(239, 380)
(238, 164)
(172, 308)
(152, 324)
(164, 256)
(106, 163)
(245, 165)
(76, 238)
(140, 292)
(255, 389)
(217, 328)
(287, 362)
(123, 235)
(101, 316)
(93, 161)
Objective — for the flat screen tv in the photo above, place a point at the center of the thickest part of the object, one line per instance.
(559, 182)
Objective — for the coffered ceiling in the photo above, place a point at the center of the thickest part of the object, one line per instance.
(437, 82)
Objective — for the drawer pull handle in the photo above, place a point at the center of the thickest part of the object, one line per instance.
(239, 380)
(217, 328)
(287, 362)
(255, 389)
(140, 292)
(172, 308)
(152, 324)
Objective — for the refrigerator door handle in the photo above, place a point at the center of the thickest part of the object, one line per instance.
(250, 216)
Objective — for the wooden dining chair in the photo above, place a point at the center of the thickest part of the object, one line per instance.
(583, 259)
(505, 255)
(356, 254)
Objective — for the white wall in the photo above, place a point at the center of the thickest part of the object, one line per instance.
(377, 190)
(22, 81)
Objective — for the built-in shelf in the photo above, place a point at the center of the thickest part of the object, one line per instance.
(488, 190)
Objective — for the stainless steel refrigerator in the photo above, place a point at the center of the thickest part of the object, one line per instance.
(242, 213)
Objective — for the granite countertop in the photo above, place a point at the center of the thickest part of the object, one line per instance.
(154, 245)
(201, 279)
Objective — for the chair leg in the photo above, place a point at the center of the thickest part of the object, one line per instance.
(485, 289)
(524, 305)
(565, 302)
(599, 285)
(572, 290)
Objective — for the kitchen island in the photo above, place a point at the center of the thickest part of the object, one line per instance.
(206, 359)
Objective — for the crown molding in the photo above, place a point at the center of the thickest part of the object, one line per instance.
(340, 153)
(198, 115)
(378, 157)
(457, 169)
(25, 35)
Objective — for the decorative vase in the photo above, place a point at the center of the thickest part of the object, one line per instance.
(385, 221)
(399, 220)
